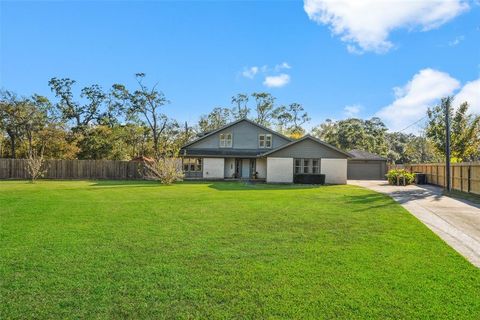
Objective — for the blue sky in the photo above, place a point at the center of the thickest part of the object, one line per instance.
(335, 60)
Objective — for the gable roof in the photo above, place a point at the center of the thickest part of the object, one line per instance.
(365, 155)
(310, 138)
(232, 124)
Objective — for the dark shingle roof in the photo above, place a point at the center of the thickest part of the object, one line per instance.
(311, 138)
(365, 155)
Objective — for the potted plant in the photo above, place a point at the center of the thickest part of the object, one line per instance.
(400, 177)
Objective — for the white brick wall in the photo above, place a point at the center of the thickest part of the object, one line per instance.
(335, 170)
(213, 168)
(279, 170)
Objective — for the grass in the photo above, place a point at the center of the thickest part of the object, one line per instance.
(138, 250)
(474, 198)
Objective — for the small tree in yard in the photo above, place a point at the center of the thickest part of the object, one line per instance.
(165, 170)
(35, 166)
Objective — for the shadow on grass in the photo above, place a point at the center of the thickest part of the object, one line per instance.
(374, 200)
(125, 183)
(248, 186)
(217, 185)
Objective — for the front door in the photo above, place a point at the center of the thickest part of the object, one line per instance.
(245, 168)
(238, 168)
(253, 168)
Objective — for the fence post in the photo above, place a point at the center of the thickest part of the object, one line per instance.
(461, 178)
(469, 175)
(452, 177)
(445, 176)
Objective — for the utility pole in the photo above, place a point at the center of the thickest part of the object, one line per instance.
(447, 144)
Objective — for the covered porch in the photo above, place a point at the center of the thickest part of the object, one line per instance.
(227, 168)
(245, 168)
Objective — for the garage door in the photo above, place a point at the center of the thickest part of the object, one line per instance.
(366, 170)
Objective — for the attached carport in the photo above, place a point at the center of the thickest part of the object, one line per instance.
(366, 166)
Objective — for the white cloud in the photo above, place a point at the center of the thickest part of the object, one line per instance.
(366, 24)
(456, 41)
(354, 49)
(276, 81)
(283, 65)
(413, 99)
(352, 111)
(471, 94)
(270, 81)
(250, 72)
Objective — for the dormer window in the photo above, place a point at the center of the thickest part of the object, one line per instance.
(265, 141)
(226, 140)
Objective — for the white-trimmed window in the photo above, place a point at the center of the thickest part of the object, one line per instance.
(192, 164)
(315, 166)
(298, 166)
(226, 140)
(265, 141)
(306, 166)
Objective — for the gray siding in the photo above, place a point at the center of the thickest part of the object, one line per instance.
(245, 136)
(308, 149)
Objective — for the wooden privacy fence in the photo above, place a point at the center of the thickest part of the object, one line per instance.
(75, 169)
(463, 176)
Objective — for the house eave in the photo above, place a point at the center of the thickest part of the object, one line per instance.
(348, 155)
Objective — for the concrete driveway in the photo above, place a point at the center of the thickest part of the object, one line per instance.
(456, 221)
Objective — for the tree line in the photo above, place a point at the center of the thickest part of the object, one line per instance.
(124, 123)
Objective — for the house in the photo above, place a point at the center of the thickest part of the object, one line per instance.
(366, 166)
(244, 149)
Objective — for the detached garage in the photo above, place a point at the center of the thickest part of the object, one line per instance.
(366, 166)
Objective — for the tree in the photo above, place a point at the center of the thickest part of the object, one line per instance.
(2, 142)
(165, 170)
(136, 137)
(375, 131)
(264, 107)
(146, 105)
(39, 108)
(327, 131)
(420, 150)
(82, 115)
(348, 134)
(351, 134)
(409, 148)
(102, 142)
(217, 118)
(240, 110)
(465, 130)
(184, 136)
(15, 113)
(291, 118)
(35, 165)
(57, 142)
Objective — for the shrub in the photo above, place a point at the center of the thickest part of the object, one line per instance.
(35, 165)
(165, 170)
(395, 175)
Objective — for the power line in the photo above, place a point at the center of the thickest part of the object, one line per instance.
(412, 124)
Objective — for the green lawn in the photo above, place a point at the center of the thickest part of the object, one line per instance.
(88, 249)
